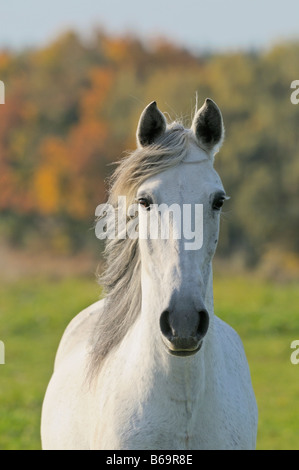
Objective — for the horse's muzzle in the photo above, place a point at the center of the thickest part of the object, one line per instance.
(184, 339)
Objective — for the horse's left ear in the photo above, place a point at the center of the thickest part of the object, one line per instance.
(208, 127)
(152, 124)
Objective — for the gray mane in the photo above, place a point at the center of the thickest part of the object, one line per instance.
(121, 279)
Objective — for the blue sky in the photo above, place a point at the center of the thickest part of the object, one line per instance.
(196, 24)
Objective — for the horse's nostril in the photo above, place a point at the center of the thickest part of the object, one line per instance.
(203, 324)
(165, 325)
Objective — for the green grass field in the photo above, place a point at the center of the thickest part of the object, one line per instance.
(34, 313)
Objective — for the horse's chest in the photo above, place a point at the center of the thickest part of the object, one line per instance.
(164, 422)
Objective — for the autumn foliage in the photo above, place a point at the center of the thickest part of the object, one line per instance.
(71, 109)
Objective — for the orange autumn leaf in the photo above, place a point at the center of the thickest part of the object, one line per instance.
(93, 100)
(46, 190)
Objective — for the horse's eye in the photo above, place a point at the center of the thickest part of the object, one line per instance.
(144, 203)
(218, 201)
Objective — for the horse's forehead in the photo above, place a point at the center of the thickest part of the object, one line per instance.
(195, 173)
(186, 178)
(199, 176)
(196, 155)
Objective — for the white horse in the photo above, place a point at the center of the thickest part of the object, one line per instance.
(151, 366)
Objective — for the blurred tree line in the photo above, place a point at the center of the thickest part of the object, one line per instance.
(71, 109)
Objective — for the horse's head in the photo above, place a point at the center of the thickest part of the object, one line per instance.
(179, 224)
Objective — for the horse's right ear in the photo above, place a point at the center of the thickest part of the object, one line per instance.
(208, 127)
(152, 124)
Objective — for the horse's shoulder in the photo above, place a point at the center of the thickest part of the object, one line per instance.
(232, 351)
(227, 332)
(230, 342)
(78, 331)
(236, 366)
